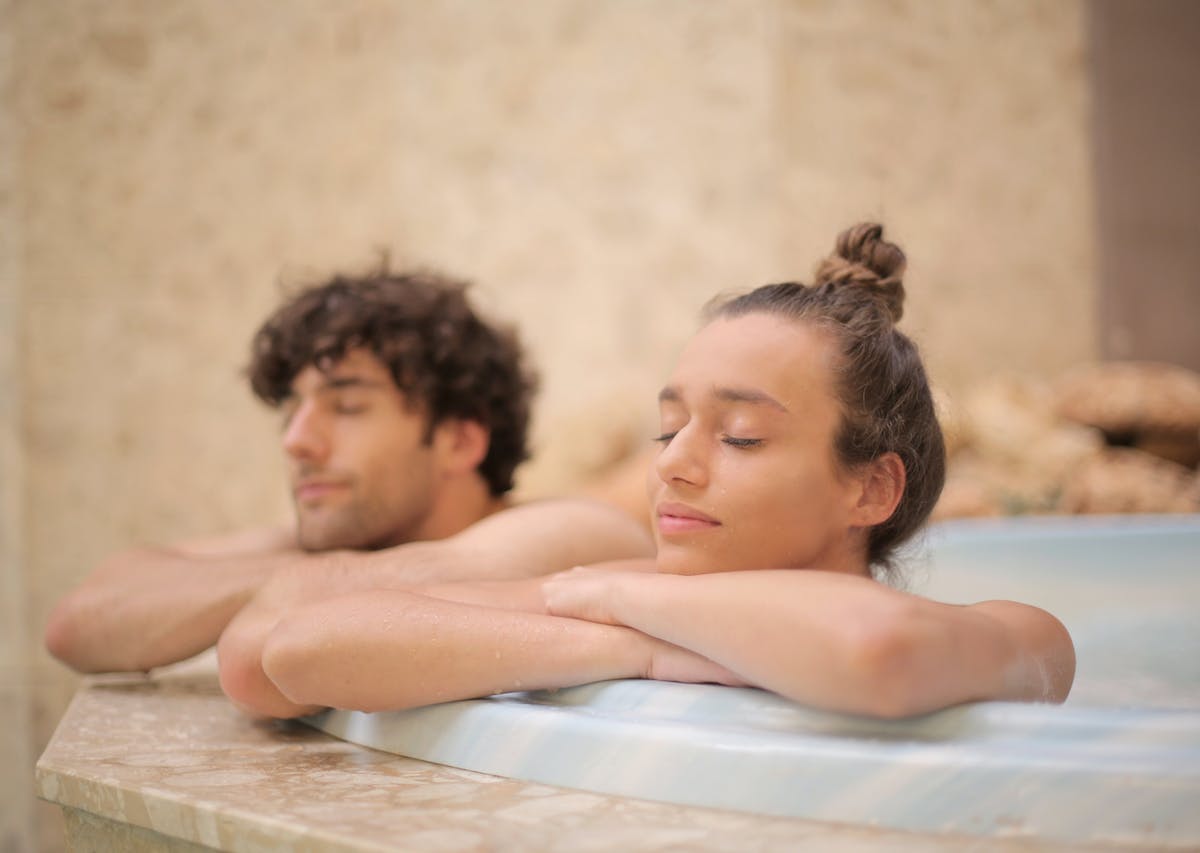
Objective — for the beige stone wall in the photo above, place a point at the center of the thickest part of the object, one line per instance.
(17, 684)
(601, 168)
(16, 675)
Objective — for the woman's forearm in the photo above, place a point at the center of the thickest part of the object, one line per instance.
(834, 641)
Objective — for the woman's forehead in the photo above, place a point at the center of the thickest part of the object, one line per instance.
(753, 357)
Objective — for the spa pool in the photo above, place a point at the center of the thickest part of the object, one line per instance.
(1119, 762)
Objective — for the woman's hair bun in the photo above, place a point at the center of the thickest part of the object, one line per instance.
(864, 258)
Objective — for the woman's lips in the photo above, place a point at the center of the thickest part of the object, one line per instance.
(681, 518)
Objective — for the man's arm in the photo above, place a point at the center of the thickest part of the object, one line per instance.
(150, 606)
(519, 543)
(836, 641)
(525, 541)
(391, 650)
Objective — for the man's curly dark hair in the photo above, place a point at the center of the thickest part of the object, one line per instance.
(441, 355)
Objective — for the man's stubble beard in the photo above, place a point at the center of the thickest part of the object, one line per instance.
(350, 528)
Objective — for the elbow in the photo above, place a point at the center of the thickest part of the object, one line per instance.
(236, 674)
(78, 634)
(291, 664)
(1060, 663)
(60, 635)
(1053, 661)
(246, 684)
(65, 637)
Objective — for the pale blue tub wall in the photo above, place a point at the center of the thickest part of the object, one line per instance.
(1126, 587)
(1120, 762)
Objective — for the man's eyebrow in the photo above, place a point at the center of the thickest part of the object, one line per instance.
(338, 382)
(753, 396)
(335, 383)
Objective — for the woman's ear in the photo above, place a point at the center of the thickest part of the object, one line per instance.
(882, 487)
(460, 445)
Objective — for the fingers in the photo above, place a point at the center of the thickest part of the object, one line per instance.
(579, 593)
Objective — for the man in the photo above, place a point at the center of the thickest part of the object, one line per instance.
(405, 416)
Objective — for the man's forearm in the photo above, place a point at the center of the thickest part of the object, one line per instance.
(523, 542)
(316, 579)
(150, 607)
(395, 650)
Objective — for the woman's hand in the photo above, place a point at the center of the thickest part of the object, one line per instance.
(595, 593)
(580, 593)
(675, 663)
(592, 592)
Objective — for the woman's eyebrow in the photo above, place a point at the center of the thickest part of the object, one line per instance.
(753, 396)
(748, 395)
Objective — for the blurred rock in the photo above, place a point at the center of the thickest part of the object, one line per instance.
(1150, 405)
(1183, 448)
(1022, 448)
(1124, 479)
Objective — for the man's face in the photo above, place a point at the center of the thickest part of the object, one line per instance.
(362, 474)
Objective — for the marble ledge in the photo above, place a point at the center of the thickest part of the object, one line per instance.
(164, 762)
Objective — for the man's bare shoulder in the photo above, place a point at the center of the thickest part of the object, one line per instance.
(554, 534)
(247, 542)
(550, 514)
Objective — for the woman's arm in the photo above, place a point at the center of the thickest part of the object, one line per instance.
(836, 641)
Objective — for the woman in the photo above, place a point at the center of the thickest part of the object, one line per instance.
(798, 432)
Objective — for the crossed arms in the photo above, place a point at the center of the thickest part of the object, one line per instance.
(829, 640)
(399, 628)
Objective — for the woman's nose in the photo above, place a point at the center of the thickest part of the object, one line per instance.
(682, 460)
(305, 437)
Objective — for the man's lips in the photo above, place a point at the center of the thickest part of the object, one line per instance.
(681, 518)
(313, 490)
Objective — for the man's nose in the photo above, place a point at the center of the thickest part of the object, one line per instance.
(682, 459)
(306, 436)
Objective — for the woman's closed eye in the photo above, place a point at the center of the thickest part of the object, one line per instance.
(731, 440)
(735, 441)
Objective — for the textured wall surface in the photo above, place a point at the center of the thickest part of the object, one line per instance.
(963, 125)
(16, 672)
(600, 168)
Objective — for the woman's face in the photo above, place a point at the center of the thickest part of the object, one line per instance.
(746, 476)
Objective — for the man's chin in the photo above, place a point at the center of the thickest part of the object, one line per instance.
(315, 538)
